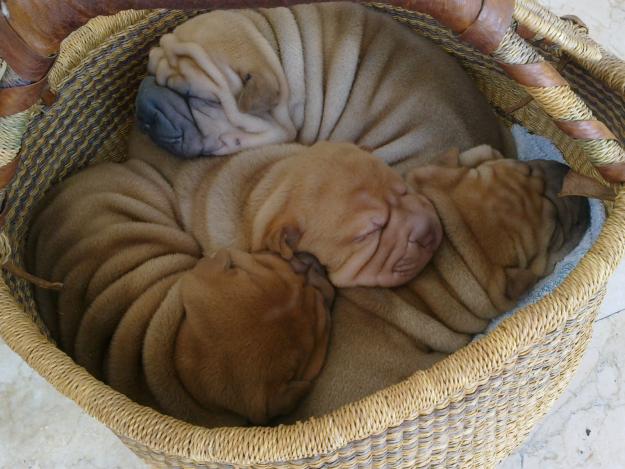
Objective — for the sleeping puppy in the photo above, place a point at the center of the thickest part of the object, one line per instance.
(504, 228)
(238, 338)
(333, 200)
(136, 286)
(230, 80)
(339, 203)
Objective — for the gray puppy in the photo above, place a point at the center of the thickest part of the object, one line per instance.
(229, 80)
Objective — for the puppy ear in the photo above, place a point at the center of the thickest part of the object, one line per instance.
(577, 184)
(478, 155)
(438, 171)
(284, 240)
(518, 281)
(260, 93)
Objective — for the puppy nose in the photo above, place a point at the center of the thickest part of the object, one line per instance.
(151, 119)
(148, 113)
(426, 239)
(425, 225)
(165, 116)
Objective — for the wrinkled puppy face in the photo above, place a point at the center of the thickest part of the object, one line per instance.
(356, 215)
(255, 333)
(512, 209)
(214, 87)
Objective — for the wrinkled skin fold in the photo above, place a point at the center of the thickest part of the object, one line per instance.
(504, 228)
(225, 81)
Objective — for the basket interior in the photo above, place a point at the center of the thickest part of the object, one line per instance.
(96, 82)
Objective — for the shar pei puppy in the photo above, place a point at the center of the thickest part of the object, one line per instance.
(504, 226)
(237, 336)
(333, 200)
(225, 81)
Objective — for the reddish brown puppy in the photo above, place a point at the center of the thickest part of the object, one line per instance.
(504, 228)
(252, 336)
(338, 202)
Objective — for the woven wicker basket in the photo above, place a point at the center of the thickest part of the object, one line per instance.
(470, 410)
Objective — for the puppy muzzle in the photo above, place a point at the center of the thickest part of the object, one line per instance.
(167, 118)
(418, 232)
(406, 244)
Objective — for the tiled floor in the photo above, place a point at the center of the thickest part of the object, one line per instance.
(39, 428)
(586, 427)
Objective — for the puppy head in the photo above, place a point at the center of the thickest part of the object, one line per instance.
(512, 208)
(214, 87)
(255, 332)
(355, 214)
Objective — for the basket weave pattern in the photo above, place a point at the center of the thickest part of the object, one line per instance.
(470, 410)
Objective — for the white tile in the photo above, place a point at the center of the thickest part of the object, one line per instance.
(586, 426)
(604, 18)
(41, 428)
(615, 296)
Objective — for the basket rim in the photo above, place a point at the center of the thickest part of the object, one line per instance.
(448, 381)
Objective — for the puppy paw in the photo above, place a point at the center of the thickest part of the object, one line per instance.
(478, 155)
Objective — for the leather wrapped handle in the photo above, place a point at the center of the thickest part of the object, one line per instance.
(31, 31)
(36, 28)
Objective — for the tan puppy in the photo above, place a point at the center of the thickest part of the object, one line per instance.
(112, 234)
(504, 228)
(122, 237)
(333, 200)
(230, 80)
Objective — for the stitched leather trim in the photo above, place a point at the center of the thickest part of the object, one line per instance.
(589, 129)
(491, 25)
(24, 61)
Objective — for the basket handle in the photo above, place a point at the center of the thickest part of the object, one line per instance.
(29, 44)
(23, 18)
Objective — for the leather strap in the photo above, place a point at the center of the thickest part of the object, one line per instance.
(540, 74)
(612, 172)
(588, 129)
(525, 32)
(19, 98)
(24, 61)
(489, 28)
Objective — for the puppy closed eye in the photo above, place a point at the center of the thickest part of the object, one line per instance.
(364, 236)
(376, 224)
(205, 104)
